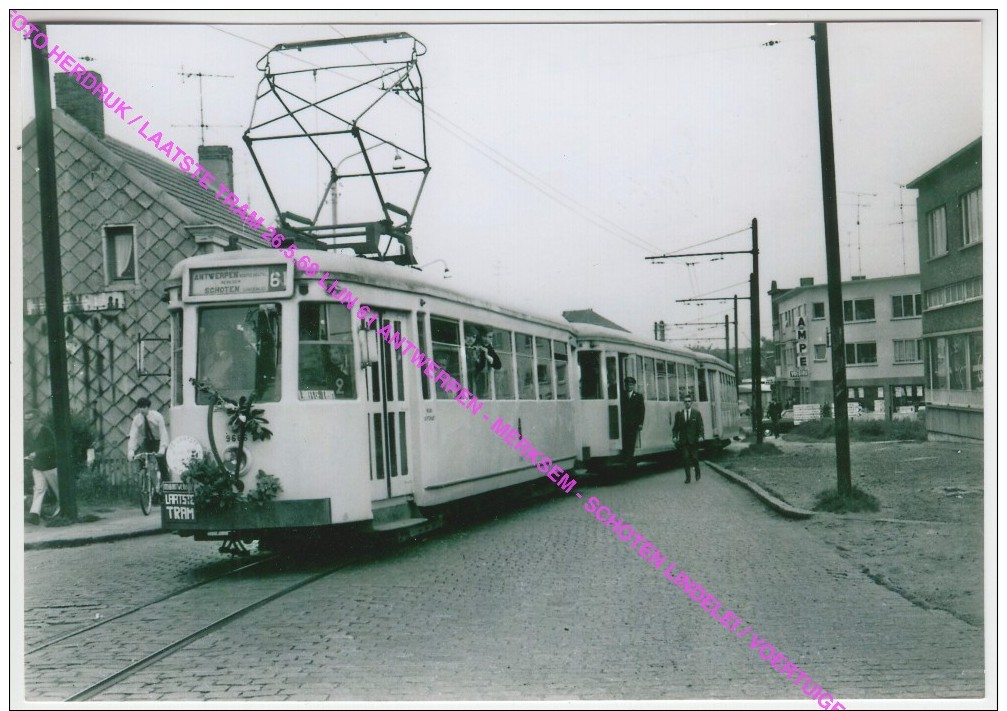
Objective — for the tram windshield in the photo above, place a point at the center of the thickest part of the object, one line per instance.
(238, 351)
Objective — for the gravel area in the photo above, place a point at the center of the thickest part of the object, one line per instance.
(925, 542)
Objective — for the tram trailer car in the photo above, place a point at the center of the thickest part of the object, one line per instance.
(664, 375)
(359, 433)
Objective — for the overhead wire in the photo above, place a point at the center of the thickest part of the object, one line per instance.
(518, 171)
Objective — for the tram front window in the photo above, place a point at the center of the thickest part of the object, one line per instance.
(238, 352)
(325, 367)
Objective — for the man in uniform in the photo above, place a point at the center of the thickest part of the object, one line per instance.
(632, 419)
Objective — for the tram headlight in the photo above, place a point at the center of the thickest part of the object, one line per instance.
(230, 458)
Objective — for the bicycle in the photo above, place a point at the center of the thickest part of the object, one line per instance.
(146, 473)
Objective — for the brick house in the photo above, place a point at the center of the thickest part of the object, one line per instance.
(125, 219)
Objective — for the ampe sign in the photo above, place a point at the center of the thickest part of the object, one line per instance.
(802, 344)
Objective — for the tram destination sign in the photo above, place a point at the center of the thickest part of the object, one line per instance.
(239, 281)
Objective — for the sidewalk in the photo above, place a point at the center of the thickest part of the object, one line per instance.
(97, 523)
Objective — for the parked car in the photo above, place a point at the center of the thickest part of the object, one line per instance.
(786, 422)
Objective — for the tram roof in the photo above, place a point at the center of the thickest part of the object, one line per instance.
(367, 271)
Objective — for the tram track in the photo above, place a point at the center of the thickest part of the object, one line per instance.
(103, 655)
(125, 673)
(175, 593)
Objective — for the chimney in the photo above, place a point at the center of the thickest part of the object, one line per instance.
(219, 160)
(807, 281)
(83, 106)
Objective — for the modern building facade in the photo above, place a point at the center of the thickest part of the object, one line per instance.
(883, 330)
(950, 211)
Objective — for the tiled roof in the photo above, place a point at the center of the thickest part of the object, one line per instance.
(589, 316)
(171, 186)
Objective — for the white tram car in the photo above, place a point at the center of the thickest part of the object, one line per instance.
(359, 434)
(664, 375)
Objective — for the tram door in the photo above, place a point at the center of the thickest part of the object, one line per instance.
(387, 410)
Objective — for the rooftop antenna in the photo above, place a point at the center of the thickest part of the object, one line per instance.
(199, 75)
(859, 203)
(902, 221)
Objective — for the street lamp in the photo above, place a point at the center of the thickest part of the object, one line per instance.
(335, 182)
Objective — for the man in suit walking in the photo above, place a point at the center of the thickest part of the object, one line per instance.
(632, 419)
(687, 432)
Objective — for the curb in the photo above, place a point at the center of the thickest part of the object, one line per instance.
(86, 541)
(781, 507)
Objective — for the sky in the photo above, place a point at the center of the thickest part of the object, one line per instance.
(565, 154)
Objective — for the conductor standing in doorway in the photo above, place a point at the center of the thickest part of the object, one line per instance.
(687, 432)
(632, 419)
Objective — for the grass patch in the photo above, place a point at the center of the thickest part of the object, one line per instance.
(862, 430)
(831, 500)
(760, 448)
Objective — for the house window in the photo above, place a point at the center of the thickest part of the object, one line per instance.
(972, 217)
(906, 306)
(120, 254)
(938, 232)
(818, 310)
(858, 310)
(862, 353)
(820, 351)
(909, 351)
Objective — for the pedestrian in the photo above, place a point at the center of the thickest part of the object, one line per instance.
(632, 419)
(148, 433)
(686, 433)
(40, 450)
(775, 412)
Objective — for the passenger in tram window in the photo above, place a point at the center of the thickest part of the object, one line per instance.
(633, 410)
(481, 359)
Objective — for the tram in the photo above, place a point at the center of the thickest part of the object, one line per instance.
(664, 376)
(357, 434)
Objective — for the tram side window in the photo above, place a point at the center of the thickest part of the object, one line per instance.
(702, 386)
(238, 351)
(176, 358)
(590, 374)
(503, 378)
(673, 381)
(545, 377)
(690, 380)
(561, 362)
(421, 327)
(661, 375)
(648, 374)
(326, 365)
(481, 359)
(612, 377)
(525, 366)
(447, 349)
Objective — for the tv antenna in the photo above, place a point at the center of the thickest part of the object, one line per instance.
(202, 122)
(859, 203)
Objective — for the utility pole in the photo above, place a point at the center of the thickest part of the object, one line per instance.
(737, 373)
(52, 270)
(844, 481)
(756, 335)
(737, 367)
(727, 339)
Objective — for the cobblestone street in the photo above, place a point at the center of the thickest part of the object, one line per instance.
(547, 603)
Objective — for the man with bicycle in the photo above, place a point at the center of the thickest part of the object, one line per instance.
(148, 433)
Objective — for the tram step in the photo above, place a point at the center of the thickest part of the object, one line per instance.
(396, 525)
